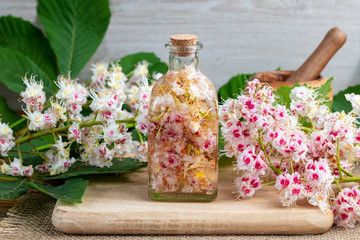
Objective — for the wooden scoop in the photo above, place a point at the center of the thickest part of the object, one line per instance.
(317, 61)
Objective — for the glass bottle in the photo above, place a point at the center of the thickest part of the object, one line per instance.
(183, 134)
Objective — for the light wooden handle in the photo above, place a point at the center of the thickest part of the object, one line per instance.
(313, 66)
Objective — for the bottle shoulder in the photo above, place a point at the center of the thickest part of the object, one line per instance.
(188, 83)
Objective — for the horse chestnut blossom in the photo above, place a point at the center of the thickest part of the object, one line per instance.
(346, 207)
(141, 69)
(73, 94)
(16, 168)
(88, 122)
(34, 96)
(99, 74)
(302, 149)
(6, 139)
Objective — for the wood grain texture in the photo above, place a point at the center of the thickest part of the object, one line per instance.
(119, 205)
(238, 36)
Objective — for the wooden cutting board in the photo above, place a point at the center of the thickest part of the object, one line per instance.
(119, 205)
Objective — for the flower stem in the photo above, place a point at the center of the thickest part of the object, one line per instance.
(282, 160)
(268, 183)
(346, 172)
(141, 140)
(27, 152)
(158, 117)
(348, 179)
(291, 166)
(338, 157)
(17, 122)
(306, 129)
(278, 171)
(64, 128)
(37, 151)
(338, 185)
(47, 146)
(19, 152)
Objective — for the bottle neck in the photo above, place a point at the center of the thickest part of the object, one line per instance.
(178, 62)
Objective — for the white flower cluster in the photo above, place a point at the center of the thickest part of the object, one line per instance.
(306, 148)
(101, 135)
(6, 139)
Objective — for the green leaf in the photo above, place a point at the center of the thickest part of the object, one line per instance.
(283, 94)
(136, 137)
(7, 115)
(48, 138)
(79, 168)
(234, 86)
(339, 101)
(25, 39)
(326, 88)
(159, 67)
(129, 62)
(14, 65)
(71, 191)
(33, 160)
(75, 30)
(14, 189)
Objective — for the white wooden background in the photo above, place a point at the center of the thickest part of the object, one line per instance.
(238, 36)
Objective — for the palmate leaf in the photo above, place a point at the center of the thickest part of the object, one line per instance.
(14, 65)
(325, 89)
(283, 94)
(79, 168)
(339, 101)
(14, 189)
(129, 62)
(32, 54)
(233, 88)
(75, 30)
(71, 191)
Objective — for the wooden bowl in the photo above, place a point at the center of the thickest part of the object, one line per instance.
(277, 78)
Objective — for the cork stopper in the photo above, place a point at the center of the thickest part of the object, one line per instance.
(183, 44)
(183, 40)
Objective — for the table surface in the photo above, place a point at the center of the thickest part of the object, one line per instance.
(119, 205)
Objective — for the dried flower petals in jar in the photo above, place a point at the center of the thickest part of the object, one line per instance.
(183, 134)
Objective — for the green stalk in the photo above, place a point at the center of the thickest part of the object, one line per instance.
(306, 129)
(346, 172)
(338, 185)
(348, 179)
(27, 152)
(139, 134)
(36, 151)
(19, 152)
(158, 117)
(268, 183)
(47, 146)
(267, 157)
(21, 120)
(64, 128)
(291, 166)
(11, 178)
(338, 157)
(282, 160)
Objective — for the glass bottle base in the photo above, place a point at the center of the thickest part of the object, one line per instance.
(182, 197)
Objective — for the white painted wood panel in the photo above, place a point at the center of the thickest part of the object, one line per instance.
(238, 36)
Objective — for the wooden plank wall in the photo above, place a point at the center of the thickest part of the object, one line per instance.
(238, 36)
